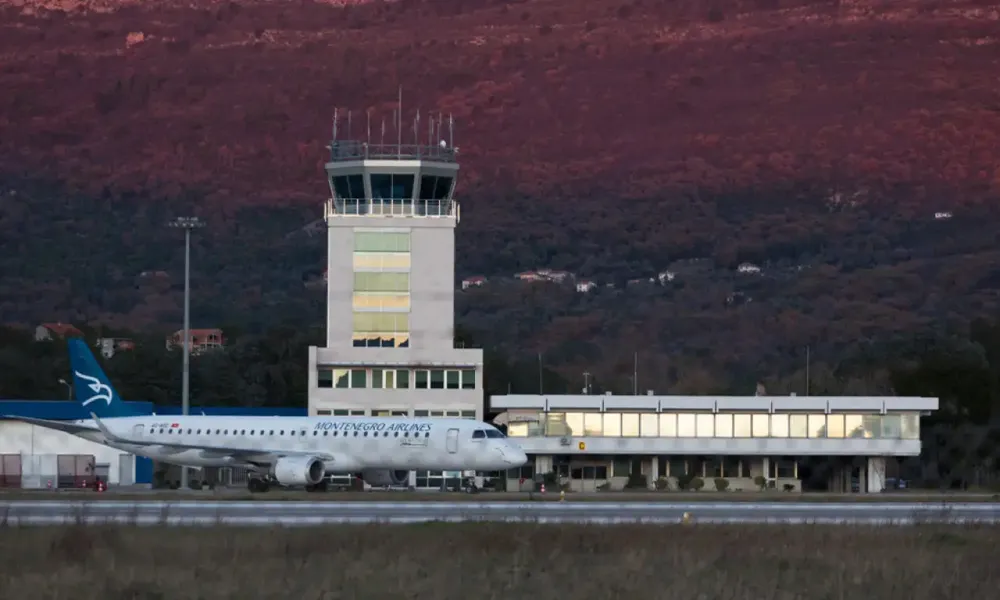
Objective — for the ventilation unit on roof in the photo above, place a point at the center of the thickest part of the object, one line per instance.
(564, 441)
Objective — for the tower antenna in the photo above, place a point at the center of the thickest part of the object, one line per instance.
(440, 120)
(451, 132)
(416, 128)
(348, 123)
(368, 113)
(382, 139)
(399, 130)
(334, 124)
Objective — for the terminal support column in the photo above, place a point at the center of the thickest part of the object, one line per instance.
(876, 474)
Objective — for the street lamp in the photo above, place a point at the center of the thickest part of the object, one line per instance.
(187, 224)
(69, 389)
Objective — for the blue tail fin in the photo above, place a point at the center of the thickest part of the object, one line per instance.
(91, 386)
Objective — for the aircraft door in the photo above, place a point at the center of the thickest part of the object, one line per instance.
(452, 441)
(137, 432)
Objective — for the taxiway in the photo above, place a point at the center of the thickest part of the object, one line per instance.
(262, 513)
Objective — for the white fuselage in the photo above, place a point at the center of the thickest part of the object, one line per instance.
(354, 443)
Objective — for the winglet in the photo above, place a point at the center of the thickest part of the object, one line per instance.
(104, 429)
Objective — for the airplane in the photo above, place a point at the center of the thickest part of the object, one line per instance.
(283, 451)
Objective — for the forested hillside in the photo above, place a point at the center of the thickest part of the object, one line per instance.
(847, 148)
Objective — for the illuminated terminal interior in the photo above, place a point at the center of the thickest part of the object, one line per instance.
(600, 442)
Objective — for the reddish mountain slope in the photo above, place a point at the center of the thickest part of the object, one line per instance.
(549, 95)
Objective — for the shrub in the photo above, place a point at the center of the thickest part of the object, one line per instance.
(637, 481)
(760, 481)
(788, 487)
(721, 484)
(604, 487)
(684, 481)
(697, 483)
(662, 484)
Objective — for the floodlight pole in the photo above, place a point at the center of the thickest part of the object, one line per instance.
(187, 224)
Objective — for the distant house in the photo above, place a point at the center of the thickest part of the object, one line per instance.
(54, 331)
(585, 286)
(748, 268)
(942, 215)
(665, 276)
(529, 276)
(544, 275)
(474, 281)
(201, 340)
(110, 346)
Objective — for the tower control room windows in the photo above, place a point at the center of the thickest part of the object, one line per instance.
(349, 186)
(433, 187)
(394, 186)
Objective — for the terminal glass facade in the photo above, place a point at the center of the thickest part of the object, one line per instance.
(905, 426)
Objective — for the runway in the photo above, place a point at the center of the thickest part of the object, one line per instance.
(305, 514)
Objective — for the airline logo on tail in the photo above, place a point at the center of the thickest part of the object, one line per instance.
(101, 391)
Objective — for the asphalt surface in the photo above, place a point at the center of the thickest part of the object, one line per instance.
(235, 513)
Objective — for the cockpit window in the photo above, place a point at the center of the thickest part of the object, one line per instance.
(494, 434)
(478, 434)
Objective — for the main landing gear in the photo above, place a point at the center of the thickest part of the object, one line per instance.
(258, 485)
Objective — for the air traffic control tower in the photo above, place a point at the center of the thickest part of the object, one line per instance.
(391, 222)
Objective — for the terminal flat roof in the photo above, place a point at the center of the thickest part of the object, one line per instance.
(583, 402)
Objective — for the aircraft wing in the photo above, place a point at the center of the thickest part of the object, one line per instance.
(66, 426)
(254, 454)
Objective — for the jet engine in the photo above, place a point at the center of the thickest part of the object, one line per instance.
(299, 470)
(385, 477)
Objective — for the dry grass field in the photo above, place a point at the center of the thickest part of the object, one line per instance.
(501, 561)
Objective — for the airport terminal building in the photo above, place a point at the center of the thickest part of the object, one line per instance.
(598, 442)
(390, 344)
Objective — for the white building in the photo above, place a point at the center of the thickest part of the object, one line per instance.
(592, 442)
(390, 294)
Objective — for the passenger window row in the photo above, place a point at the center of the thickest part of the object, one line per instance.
(281, 432)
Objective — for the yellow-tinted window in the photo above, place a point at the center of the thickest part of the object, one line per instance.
(381, 282)
(381, 260)
(381, 301)
(381, 241)
(371, 339)
(381, 322)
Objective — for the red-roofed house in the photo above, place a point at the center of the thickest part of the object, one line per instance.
(53, 331)
(201, 340)
(476, 280)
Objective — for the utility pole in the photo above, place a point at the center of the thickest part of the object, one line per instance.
(807, 370)
(541, 387)
(586, 382)
(187, 224)
(635, 375)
